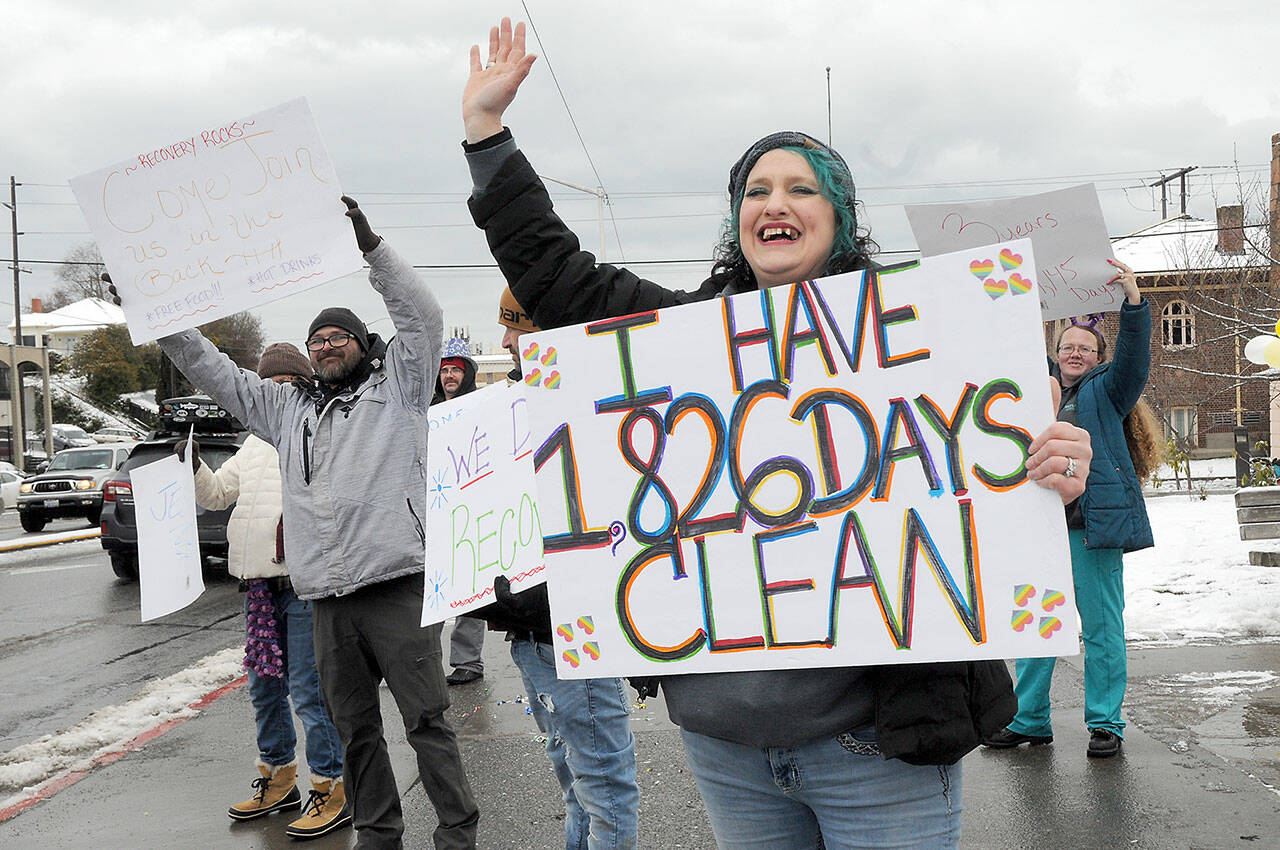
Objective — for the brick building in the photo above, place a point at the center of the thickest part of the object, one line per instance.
(1212, 288)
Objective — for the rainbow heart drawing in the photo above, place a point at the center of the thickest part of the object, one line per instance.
(571, 655)
(533, 378)
(1018, 285)
(1010, 260)
(982, 268)
(549, 356)
(592, 649)
(552, 381)
(1021, 619)
(1049, 625)
(995, 288)
(1022, 594)
(565, 631)
(531, 353)
(586, 624)
(1052, 599)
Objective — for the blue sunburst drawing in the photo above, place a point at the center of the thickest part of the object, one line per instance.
(438, 489)
(436, 585)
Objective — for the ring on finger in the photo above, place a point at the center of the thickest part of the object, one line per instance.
(490, 64)
(1070, 471)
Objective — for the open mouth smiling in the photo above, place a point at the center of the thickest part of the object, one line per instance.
(778, 233)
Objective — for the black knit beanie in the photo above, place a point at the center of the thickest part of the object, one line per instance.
(341, 317)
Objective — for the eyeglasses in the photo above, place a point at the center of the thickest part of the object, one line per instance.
(336, 341)
(1064, 349)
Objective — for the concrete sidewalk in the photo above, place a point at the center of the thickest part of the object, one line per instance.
(1183, 780)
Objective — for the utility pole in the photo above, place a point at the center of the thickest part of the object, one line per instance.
(17, 430)
(829, 106)
(1163, 183)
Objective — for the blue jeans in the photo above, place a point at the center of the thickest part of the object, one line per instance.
(1098, 577)
(277, 739)
(592, 750)
(834, 793)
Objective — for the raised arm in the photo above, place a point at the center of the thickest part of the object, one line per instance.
(414, 355)
(256, 402)
(550, 275)
(1125, 380)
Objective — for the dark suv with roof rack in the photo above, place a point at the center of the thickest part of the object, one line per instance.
(219, 436)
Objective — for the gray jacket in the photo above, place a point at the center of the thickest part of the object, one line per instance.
(353, 475)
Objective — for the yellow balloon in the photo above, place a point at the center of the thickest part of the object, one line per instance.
(1277, 328)
(1272, 354)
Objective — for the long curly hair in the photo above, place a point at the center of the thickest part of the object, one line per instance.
(852, 247)
(1145, 438)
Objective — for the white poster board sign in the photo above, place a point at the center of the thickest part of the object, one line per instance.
(164, 503)
(1065, 227)
(482, 512)
(818, 475)
(235, 215)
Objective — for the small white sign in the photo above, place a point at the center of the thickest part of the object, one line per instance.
(164, 500)
(482, 511)
(1065, 227)
(235, 215)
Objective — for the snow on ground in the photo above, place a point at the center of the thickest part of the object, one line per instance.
(1197, 584)
(108, 729)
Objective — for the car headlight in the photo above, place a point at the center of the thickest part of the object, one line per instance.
(24, 488)
(84, 485)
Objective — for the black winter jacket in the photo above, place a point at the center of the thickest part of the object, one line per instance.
(931, 713)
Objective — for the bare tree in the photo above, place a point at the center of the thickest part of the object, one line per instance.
(79, 277)
(239, 336)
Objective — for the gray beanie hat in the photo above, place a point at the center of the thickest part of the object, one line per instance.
(785, 139)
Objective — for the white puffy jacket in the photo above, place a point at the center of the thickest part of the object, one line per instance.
(251, 479)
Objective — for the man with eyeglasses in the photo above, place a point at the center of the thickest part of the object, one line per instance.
(352, 449)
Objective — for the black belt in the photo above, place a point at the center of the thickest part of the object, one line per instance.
(275, 584)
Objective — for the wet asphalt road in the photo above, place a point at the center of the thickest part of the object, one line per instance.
(1200, 768)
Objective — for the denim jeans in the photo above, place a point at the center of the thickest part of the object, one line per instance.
(834, 793)
(270, 696)
(367, 637)
(591, 748)
(1098, 577)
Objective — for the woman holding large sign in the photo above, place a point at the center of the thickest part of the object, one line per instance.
(787, 758)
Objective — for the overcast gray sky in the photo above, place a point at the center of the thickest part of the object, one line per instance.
(930, 101)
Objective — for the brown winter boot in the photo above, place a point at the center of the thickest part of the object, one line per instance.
(276, 789)
(326, 810)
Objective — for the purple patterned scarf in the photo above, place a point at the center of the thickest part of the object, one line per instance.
(262, 652)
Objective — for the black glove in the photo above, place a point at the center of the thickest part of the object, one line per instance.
(111, 289)
(195, 453)
(366, 239)
(646, 686)
(510, 601)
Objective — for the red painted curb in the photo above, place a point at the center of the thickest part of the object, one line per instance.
(71, 777)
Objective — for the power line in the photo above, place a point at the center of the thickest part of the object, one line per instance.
(582, 141)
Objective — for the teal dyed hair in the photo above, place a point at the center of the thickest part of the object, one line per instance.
(850, 249)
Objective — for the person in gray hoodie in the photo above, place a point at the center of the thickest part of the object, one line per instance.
(352, 448)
